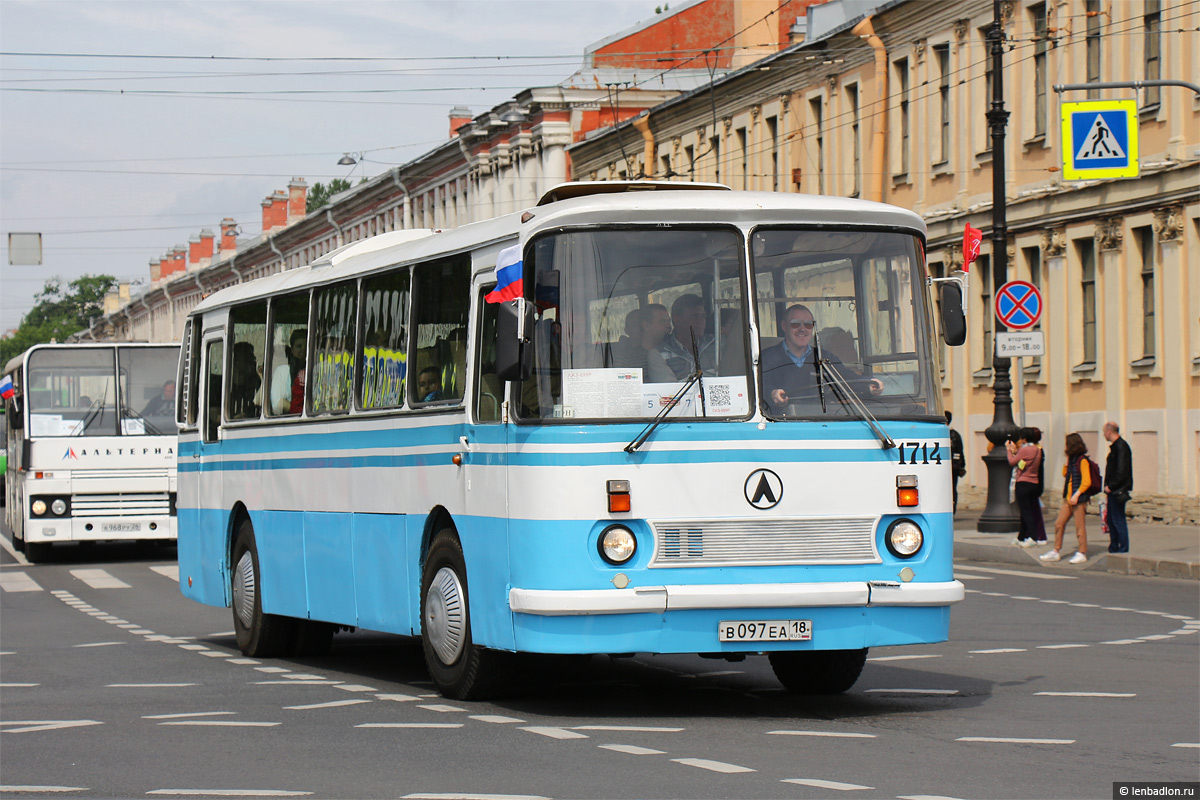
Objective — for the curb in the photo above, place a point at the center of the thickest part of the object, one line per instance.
(1125, 564)
(1114, 563)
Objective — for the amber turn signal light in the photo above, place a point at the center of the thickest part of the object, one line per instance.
(618, 496)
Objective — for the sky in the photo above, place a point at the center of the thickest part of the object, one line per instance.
(127, 126)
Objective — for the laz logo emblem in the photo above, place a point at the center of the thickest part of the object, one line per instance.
(764, 489)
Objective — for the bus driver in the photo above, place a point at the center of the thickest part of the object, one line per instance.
(788, 367)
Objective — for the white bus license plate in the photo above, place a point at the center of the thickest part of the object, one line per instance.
(120, 527)
(771, 630)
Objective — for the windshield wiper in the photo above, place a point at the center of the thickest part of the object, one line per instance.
(675, 399)
(148, 426)
(699, 374)
(97, 407)
(846, 394)
(820, 377)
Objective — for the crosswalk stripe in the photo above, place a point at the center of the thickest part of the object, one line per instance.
(99, 579)
(170, 571)
(19, 582)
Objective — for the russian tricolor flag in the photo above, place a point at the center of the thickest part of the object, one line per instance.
(509, 269)
(6, 387)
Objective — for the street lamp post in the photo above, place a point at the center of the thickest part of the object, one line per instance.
(1000, 515)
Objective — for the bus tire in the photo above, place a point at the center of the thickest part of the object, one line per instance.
(36, 551)
(818, 671)
(459, 669)
(258, 635)
(311, 638)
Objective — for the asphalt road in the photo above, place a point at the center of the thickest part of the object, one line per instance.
(113, 685)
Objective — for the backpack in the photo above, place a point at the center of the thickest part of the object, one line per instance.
(1096, 483)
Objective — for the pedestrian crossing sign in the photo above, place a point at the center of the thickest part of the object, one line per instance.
(1100, 139)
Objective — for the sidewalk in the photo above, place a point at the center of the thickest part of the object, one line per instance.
(1155, 549)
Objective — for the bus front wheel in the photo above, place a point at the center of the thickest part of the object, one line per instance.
(459, 668)
(818, 671)
(258, 635)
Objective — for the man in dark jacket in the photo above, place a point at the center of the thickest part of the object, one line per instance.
(1118, 481)
(789, 372)
(958, 463)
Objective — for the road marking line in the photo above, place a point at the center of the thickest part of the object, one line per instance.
(1184, 631)
(295, 683)
(1156, 637)
(903, 658)
(230, 792)
(116, 621)
(628, 728)
(98, 644)
(18, 685)
(190, 714)
(1115, 608)
(1060, 646)
(13, 652)
(303, 676)
(712, 766)
(222, 723)
(41, 789)
(457, 796)
(1057, 602)
(1123, 641)
(19, 582)
(356, 687)
(831, 734)
(215, 654)
(399, 698)
(1187, 744)
(1038, 575)
(243, 661)
(441, 708)
(129, 626)
(717, 673)
(20, 557)
(147, 685)
(554, 733)
(913, 691)
(632, 749)
(99, 579)
(925, 797)
(30, 726)
(273, 670)
(819, 784)
(142, 632)
(496, 718)
(220, 634)
(1085, 605)
(1001, 650)
(1022, 597)
(1084, 694)
(1012, 740)
(974, 577)
(171, 572)
(410, 725)
(330, 704)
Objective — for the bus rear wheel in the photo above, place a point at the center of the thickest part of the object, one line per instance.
(460, 669)
(818, 671)
(258, 635)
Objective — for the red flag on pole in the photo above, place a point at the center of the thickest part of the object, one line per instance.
(971, 240)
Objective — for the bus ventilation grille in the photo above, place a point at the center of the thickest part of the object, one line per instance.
(716, 543)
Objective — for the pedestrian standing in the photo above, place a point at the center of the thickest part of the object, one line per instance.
(958, 462)
(1076, 483)
(1118, 481)
(1035, 438)
(1027, 459)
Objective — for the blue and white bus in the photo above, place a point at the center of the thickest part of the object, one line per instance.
(708, 422)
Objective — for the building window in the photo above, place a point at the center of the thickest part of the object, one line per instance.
(689, 155)
(1152, 38)
(819, 124)
(1040, 77)
(1086, 249)
(773, 135)
(984, 264)
(855, 140)
(942, 51)
(1033, 258)
(988, 63)
(1145, 241)
(1093, 46)
(743, 156)
(902, 95)
(714, 147)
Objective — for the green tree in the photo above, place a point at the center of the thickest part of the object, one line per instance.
(319, 194)
(60, 311)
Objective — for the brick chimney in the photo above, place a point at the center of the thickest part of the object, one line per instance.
(155, 270)
(459, 116)
(193, 258)
(228, 237)
(178, 259)
(274, 214)
(207, 240)
(297, 200)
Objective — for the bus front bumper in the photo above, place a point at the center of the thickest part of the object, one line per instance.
(661, 599)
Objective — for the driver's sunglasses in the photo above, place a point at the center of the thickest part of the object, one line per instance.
(802, 324)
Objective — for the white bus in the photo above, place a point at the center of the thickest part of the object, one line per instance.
(91, 444)
(621, 459)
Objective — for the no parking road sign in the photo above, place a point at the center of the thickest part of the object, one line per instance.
(1018, 305)
(1100, 139)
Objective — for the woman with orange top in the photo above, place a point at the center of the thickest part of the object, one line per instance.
(1077, 481)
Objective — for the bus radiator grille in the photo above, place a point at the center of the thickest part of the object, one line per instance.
(120, 505)
(714, 543)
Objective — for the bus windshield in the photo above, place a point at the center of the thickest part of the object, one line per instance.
(75, 392)
(842, 312)
(625, 317)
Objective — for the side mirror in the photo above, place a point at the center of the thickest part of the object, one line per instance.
(954, 319)
(514, 350)
(16, 420)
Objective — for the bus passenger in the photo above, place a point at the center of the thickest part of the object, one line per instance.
(645, 330)
(788, 367)
(429, 385)
(288, 377)
(674, 359)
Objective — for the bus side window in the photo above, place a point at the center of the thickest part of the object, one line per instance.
(442, 298)
(183, 383)
(244, 399)
(212, 390)
(288, 355)
(489, 391)
(383, 349)
(334, 323)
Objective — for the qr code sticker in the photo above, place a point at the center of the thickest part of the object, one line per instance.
(718, 394)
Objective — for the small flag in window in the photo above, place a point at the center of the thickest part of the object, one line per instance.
(509, 268)
(6, 387)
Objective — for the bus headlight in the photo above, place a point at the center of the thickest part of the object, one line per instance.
(38, 507)
(904, 538)
(617, 544)
(58, 507)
